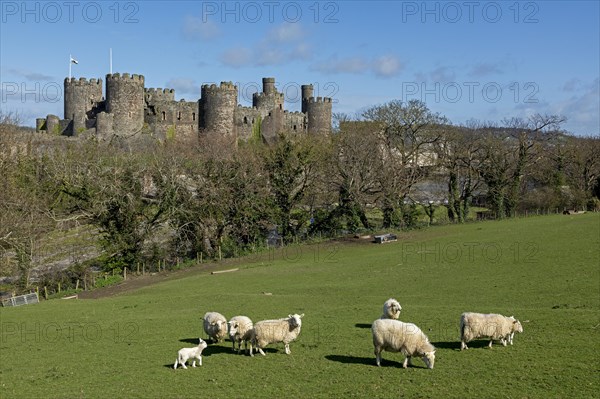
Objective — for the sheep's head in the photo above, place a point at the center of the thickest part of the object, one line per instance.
(429, 359)
(295, 320)
(517, 327)
(392, 308)
(233, 327)
(202, 344)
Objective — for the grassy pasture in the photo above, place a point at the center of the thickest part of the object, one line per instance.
(543, 270)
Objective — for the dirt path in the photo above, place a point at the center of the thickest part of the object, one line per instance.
(136, 282)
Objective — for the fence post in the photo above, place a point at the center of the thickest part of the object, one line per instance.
(45, 292)
(77, 285)
(124, 273)
(59, 286)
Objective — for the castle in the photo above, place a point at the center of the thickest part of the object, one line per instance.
(130, 109)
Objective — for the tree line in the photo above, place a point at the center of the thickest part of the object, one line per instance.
(147, 199)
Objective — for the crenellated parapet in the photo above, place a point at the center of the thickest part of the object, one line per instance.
(82, 98)
(125, 100)
(318, 112)
(153, 95)
(269, 99)
(217, 108)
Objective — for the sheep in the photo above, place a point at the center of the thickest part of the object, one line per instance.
(241, 330)
(272, 331)
(397, 336)
(391, 309)
(492, 326)
(215, 326)
(190, 353)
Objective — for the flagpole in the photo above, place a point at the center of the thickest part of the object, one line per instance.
(110, 57)
(70, 62)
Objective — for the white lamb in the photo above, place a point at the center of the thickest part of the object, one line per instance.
(391, 309)
(273, 331)
(241, 330)
(492, 326)
(190, 353)
(396, 336)
(215, 326)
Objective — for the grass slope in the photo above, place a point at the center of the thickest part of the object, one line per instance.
(544, 270)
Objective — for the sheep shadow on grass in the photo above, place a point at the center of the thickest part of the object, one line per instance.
(351, 359)
(362, 325)
(447, 345)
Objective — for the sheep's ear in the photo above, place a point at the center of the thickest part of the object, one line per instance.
(302, 315)
(290, 316)
(515, 321)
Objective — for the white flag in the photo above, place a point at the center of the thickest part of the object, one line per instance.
(74, 61)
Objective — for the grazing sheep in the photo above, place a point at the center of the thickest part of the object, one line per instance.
(391, 309)
(190, 353)
(215, 326)
(272, 331)
(492, 326)
(397, 336)
(240, 330)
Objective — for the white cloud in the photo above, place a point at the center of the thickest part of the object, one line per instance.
(387, 66)
(237, 57)
(196, 28)
(286, 33)
(384, 66)
(283, 44)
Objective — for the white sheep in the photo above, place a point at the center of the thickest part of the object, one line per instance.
(273, 331)
(391, 309)
(215, 326)
(492, 326)
(190, 353)
(396, 336)
(241, 330)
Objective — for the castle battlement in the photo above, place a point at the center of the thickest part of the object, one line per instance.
(319, 100)
(260, 94)
(224, 86)
(159, 91)
(83, 81)
(125, 77)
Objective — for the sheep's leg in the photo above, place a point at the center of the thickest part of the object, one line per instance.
(405, 364)
(287, 349)
(194, 363)
(463, 345)
(261, 351)
(378, 356)
(183, 364)
(199, 360)
(175, 365)
(490, 344)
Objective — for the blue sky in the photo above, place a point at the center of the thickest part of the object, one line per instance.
(484, 60)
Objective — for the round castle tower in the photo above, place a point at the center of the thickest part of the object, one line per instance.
(125, 100)
(307, 92)
(81, 100)
(318, 112)
(217, 107)
(269, 99)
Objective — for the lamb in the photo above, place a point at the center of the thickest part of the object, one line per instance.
(492, 326)
(391, 309)
(215, 326)
(241, 330)
(397, 336)
(272, 331)
(190, 353)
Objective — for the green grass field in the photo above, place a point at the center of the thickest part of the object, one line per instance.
(543, 270)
